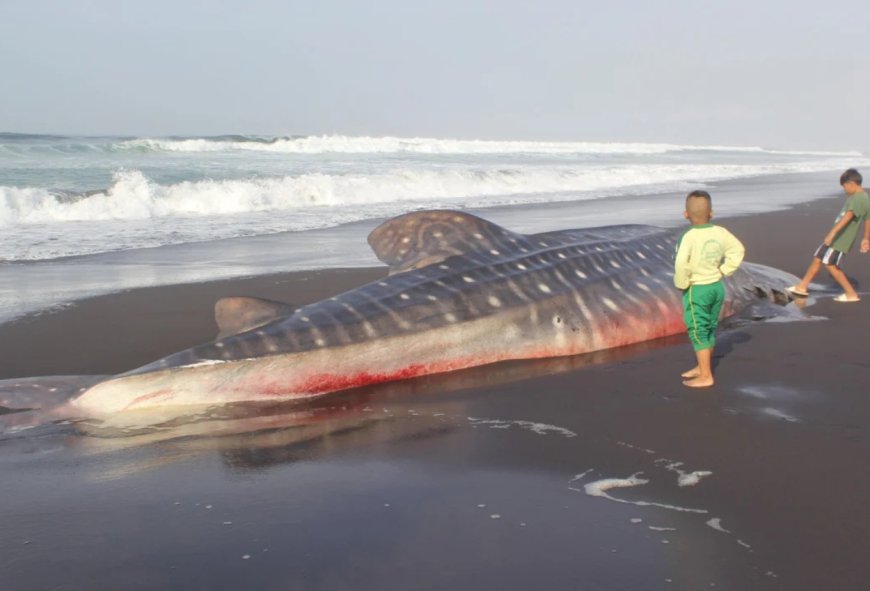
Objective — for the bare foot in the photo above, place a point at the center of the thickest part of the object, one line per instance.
(699, 382)
(692, 373)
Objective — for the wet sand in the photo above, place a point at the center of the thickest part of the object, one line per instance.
(475, 479)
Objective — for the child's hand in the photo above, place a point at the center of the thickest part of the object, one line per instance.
(865, 245)
(829, 239)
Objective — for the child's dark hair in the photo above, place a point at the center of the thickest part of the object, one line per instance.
(851, 175)
(702, 195)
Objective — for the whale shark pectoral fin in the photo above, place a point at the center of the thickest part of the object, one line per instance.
(423, 238)
(777, 296)
(757, 291)
(238, 314)
(782, 298)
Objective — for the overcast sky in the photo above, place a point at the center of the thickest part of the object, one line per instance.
(781, 73)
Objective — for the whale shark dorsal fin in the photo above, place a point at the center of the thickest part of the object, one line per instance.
(422, 238)
(238, 314)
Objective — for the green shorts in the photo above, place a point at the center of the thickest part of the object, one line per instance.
(702, 305)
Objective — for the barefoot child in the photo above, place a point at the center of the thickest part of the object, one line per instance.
(705, 254)
(840, 239)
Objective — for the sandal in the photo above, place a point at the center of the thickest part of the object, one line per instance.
(843, 299)
(793, 289)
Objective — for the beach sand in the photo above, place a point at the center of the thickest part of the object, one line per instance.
(475, 479)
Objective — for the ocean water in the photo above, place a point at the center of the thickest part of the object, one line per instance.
(87, 215)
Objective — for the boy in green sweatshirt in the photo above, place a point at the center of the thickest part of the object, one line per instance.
(705, 254)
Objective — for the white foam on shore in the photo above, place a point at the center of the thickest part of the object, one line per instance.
(716, 523)
(601, 488)
(538, 428)
(630, 446)
(684, 478)
(779, 414)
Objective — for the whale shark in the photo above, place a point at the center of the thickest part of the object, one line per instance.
(461, 292)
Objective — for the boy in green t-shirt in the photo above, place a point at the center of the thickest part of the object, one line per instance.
(840, 239)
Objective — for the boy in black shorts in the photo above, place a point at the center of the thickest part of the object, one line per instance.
(840, 239)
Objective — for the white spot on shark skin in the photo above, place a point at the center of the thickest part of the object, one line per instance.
(449, 317)
(521, 267)
(610, 304)
(512, 332)
(643, 287)
(468, 279)
(561, 256)
(494, 302)
(615, 265)
(545, 288)
(405, 296)
(495, 252)
(654, 528)
(478, 235)
(319, 342)
(432, 298)
(406, 240)
(382, 283)
(305, 319)
(580, 274)
(444, 267)
(640, 254)
(615, 285)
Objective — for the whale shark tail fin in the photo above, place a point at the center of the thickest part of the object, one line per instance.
(238, 314)
(422, 238)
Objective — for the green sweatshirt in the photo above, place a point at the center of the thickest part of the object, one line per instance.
(705, 254)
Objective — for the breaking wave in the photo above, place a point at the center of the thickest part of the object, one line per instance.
(133, 196)
(385, 145)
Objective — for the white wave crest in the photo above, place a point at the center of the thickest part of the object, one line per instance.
(382, 145)
(132, 196)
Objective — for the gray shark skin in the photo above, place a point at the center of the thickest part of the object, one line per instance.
(461, 292)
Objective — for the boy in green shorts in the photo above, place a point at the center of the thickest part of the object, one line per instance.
(840, 239)
(705, 254)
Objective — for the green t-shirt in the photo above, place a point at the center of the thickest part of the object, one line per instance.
(859, 205)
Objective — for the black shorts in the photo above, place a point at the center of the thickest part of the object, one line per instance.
(829, 256)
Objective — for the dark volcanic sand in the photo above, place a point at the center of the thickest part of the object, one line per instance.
(406, 486)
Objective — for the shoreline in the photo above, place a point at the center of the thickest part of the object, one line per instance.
(30, 287)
